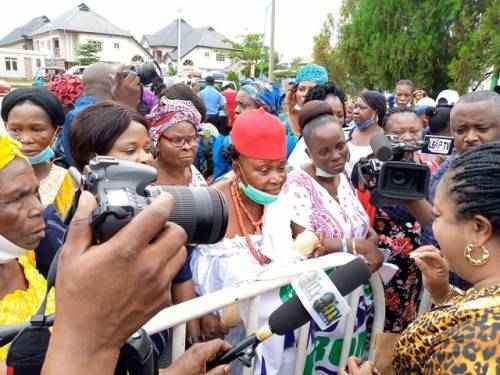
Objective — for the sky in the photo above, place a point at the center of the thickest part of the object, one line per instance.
(296, 23)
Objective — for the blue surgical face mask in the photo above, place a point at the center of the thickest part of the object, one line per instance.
(42, 157)
(256, 195)
(365, 125)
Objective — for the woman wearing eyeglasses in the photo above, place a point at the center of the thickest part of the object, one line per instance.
(174, 132)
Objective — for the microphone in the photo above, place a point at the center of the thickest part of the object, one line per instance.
(381, 147)
(292, 314)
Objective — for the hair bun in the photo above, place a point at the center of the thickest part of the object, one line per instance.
(430, 111)
(312, 110)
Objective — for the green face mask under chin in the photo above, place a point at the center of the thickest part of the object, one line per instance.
(256, 195)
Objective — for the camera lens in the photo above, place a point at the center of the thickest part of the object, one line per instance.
(400, 178)
(201, 212)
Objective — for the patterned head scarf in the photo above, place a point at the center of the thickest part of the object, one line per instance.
(168, 113)
(67, 88)
(9, 150)
(312, 73)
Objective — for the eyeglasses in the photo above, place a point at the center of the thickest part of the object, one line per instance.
(179, 142)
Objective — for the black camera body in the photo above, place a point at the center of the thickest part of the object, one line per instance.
(123, 190)
(147, 72)
(390, 175)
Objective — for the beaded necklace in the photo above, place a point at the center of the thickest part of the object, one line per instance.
(240, 206)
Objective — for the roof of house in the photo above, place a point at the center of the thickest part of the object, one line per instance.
(167, 37)
(190, 38)
(82, 19)
(21, 33)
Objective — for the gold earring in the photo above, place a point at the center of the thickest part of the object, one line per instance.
(483, 258)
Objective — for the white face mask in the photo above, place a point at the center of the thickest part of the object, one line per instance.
(322, 173)
(9, 251)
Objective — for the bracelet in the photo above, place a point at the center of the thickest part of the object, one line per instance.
(452, 293)
(353, 248)
(344, 245)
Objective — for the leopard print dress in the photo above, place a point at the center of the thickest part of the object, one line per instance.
(461, 337)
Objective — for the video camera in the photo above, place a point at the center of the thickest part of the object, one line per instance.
(391, 173)
(147, 72)
(123, 190)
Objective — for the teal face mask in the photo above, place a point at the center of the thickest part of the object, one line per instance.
(42, 157)
(256, 195)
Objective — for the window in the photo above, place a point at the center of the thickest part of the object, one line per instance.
(56, 43)
(137, 59)
(38, 63)
(48, 44)
(207, 53)
(97, 44)
(37, 45)
(11, 64)
(116, 45)
(220, 57)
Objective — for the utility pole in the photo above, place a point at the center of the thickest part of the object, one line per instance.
(271, 52)
(179, 64)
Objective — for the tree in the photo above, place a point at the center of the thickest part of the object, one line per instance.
(87, 53)
(382, 41)
(326, 55)
(437, 44)
(254, 54)
(479, 52)
(233, 76)
(297, 62)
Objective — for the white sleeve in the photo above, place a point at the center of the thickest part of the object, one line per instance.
(300, 203)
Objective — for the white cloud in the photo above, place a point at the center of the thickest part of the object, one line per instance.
(297, 21)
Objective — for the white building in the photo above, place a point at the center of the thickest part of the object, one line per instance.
(18, 63)
(60, 38)
(202, 48)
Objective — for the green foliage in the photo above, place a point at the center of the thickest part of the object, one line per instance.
(172, 70)
(480, 50)
(87, 53)
(437, 44)
(297, 63)
(254, 54)
(233, 76)
(324, 54)
(285, 73)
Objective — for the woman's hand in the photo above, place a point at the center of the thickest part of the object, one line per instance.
(435, 271)
(354, 368)
(211, 327)
(369, 250)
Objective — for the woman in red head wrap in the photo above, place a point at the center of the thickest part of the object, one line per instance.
(258, 156)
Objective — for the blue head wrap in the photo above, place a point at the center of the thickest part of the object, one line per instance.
(246, 82)
(312, 73)
(265, 94)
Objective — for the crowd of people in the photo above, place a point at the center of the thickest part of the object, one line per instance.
(287, 163)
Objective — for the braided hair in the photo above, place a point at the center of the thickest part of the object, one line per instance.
(475, 183)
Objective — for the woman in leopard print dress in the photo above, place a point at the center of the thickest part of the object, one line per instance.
(461, 335)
